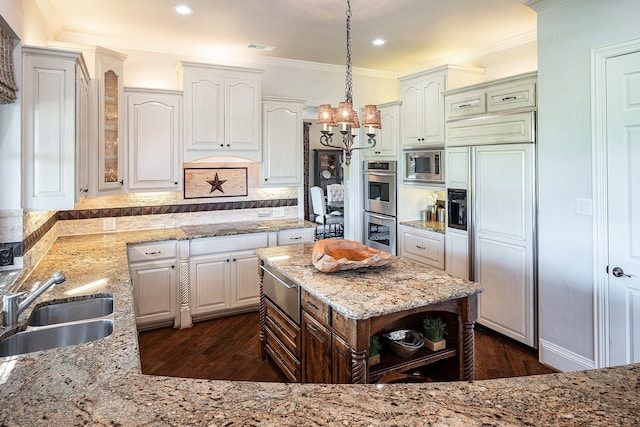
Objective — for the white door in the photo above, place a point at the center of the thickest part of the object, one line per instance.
(244, 273)
(503, 239)
(623, 141)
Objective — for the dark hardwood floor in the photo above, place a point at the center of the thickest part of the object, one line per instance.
(227, 349)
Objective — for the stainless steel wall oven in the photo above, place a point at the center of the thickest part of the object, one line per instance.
(380, 187)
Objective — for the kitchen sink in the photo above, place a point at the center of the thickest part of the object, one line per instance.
(71, 311)
(55, 336)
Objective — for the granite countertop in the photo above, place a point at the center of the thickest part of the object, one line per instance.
(100, 383)
(364, 293)
(438, 227)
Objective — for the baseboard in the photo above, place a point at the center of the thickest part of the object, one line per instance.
(563, 359)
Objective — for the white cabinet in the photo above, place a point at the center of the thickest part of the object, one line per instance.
(54, 128)
(423, 115)
(296, 235)
(514, 93)
(457, 253)
(423, 111)
(221, 111)
(386, 138)
(109, 93)
(421, 245)
(153, 270)
(223, 274)
(153, 139)
(282, 142)
(503, 240)
(457, 170)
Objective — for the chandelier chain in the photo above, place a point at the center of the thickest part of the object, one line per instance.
(348, 85)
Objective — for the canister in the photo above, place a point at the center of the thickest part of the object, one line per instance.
(441, 214)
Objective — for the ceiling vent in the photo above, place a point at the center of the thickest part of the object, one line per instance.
(257, 46)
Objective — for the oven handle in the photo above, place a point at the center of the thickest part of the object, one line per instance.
(380, 173)
(382, 217)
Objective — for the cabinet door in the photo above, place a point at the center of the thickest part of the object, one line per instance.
(433, 110)
(316, 351)
(503, 239)
(49, 129)
(282, 143)
(154, 290)
(512, 96)
(82, 134)
(457, 248)
(245, 281)
(387, 137)
(341, 361)
(412, 132)
(153, 137)
(465, 104)
(204, 104)
(210, 283)
(242, 122)
(457, 170)
(110, 82)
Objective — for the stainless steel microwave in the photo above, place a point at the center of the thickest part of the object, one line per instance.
(423, 165)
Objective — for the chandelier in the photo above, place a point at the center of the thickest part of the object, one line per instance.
(345, 116)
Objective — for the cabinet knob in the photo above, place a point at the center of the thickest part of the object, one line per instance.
(175, 183)
(122, 182)
(221, 145)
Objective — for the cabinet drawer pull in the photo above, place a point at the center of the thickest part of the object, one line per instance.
(312, 305)
(295, 238)
(462, 106)
(153, 253)
(421, 247)
(508, 98)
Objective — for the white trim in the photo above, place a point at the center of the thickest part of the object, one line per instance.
(599, 150)
(539, 5)
(563, 359)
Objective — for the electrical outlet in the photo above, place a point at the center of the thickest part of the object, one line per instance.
(108, 224)
(278, 212)
(6, 256)
(584, 207)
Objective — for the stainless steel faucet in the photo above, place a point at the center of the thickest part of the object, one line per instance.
(14, 303)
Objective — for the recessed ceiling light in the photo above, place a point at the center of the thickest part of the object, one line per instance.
(379, 42)
(183, 10)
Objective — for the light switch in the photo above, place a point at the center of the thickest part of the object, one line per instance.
(584, 206)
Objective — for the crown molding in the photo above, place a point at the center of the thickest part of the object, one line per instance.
(539, 5)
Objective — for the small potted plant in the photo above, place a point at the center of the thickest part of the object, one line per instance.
(374, 350)
(434, 331)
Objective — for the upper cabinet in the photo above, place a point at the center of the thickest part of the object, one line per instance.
(109, 88)
(386, 138)
(221, 111)
(153, 139)
(423, 103)
(515, 93)
(54, 128)
(282, 141)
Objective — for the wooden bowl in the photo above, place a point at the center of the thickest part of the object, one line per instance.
(331, 255)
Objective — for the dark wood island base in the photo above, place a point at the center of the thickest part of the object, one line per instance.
(340, 312)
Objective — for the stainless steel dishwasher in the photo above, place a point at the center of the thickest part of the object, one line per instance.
(283, 292)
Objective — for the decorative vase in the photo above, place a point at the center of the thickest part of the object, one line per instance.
(435, 346)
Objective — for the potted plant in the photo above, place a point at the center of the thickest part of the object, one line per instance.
(374, 350)
(434, 331)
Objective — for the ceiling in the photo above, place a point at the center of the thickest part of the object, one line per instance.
(418, 32)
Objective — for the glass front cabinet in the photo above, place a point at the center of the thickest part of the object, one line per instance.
(110, 89)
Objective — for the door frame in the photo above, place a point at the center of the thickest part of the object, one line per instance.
(599, 151)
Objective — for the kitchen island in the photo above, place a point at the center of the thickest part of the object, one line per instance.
(341, 311)
(100, 383)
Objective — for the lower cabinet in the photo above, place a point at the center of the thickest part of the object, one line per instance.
(457, 259)
(424, 246)
(223, 275)
(282, 341)
(154, 273)
(296, 235)
(326, 357)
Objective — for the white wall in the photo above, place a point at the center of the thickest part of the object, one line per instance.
(566, 34)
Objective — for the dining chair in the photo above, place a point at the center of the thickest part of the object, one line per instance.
(332, 225)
